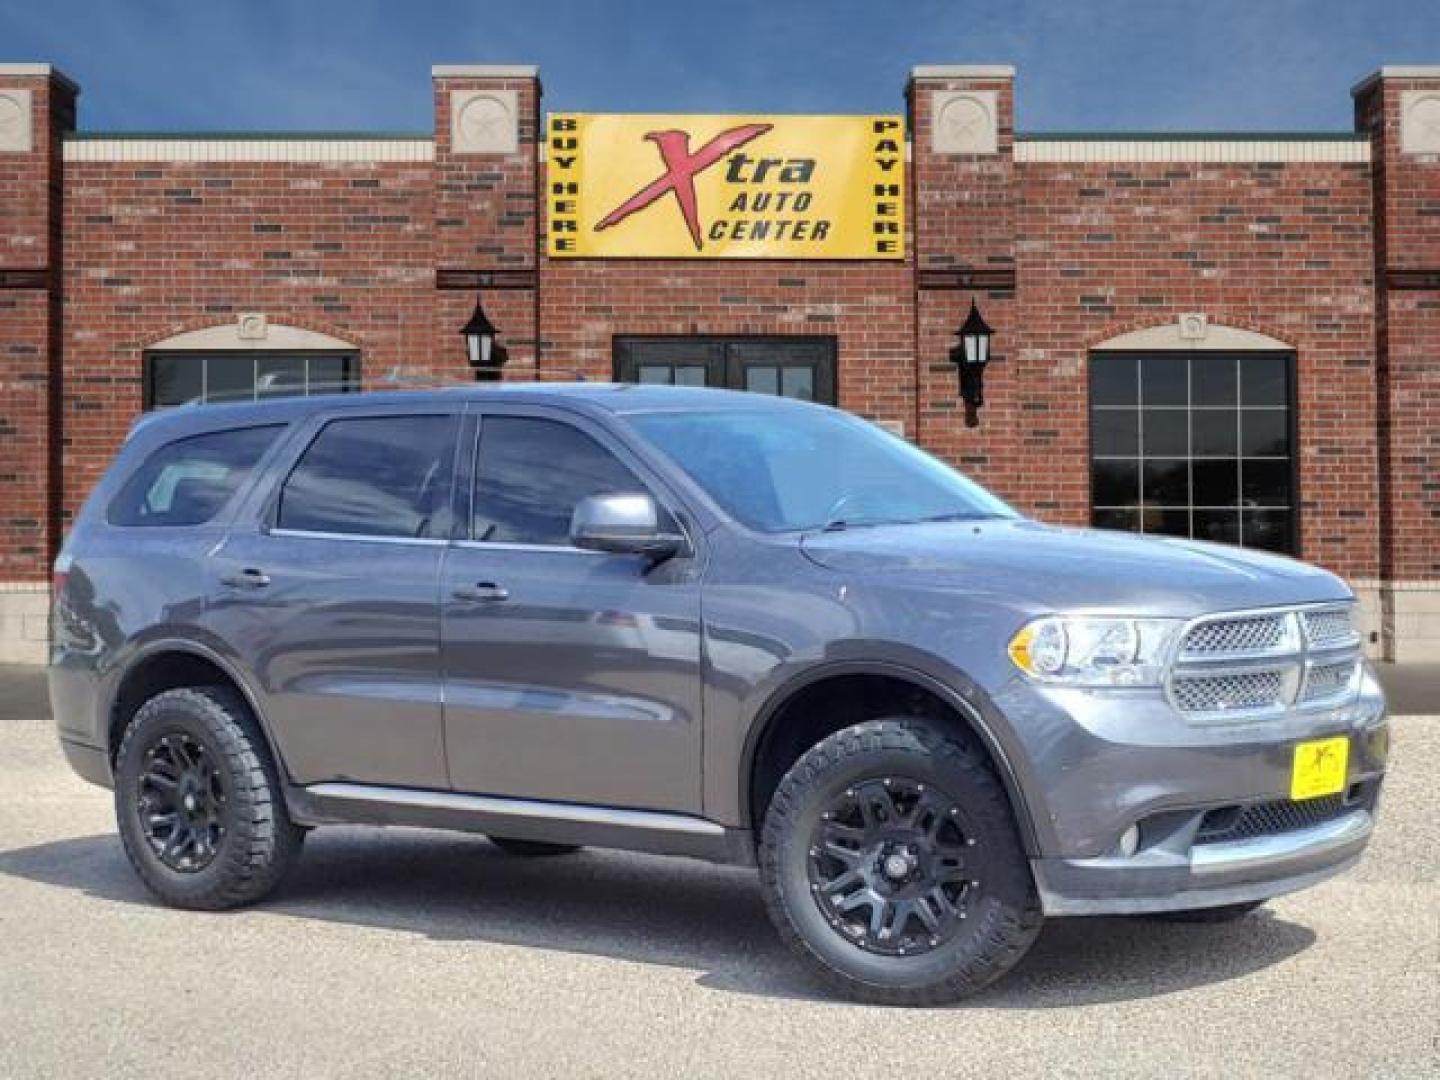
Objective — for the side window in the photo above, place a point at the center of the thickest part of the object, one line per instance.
(531, 473)
(374, 476)
(188, 481)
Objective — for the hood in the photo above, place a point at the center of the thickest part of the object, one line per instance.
(1051, 568)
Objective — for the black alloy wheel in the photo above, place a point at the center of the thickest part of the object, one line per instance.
(893, 867)
(181, 801)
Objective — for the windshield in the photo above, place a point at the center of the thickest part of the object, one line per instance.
(813, 468)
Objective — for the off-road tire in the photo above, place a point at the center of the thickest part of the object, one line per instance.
(259, 841)
(531, 849)
(1224, 914)
(1006, 916)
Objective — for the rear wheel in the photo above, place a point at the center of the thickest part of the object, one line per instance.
(531, 849)
(198, 801)
(1225, 913)
(891, 864)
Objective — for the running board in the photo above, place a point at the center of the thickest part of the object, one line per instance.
(654, 831)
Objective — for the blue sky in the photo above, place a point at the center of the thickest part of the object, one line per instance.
(364, 64)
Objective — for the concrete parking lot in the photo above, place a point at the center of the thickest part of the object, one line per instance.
(395, 953)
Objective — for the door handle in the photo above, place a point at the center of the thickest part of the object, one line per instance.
(484, 591)
(249, 578)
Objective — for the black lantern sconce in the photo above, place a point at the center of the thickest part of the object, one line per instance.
(485, 354)
(970, 356)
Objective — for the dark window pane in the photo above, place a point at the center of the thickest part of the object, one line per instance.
(374, 476)
(1218, 526)
(1268, 529)
(1164, 433)
(1212, 381)
(230, 378)
(656, 374)
(1214, 433)
(1113, 380)
(1115, 483)
(1115, 432)
(1167, 482)
(530, 475)
(174, 380)
(798, 382)
(1165, 522)
(762, 380)
(332, 375)
(1265, 433)
(1266, 483)
(1128, 520)
(1162, 380)
(1217, 483)
(690, 375)
(188, 481)
(1264, 379)
(279, 376)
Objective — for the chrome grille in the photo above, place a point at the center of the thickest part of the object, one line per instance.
(1258, 663)
(1327, 680)
(1257, 633)
(1329, 629)
(1225, 693)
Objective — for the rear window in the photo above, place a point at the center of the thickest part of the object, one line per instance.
(188, 481)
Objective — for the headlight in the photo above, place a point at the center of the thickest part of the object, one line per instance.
(1094, 650)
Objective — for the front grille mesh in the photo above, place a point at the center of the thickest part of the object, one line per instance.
(1254, 633)
(1280, 816)
(1329, 629)
(1222, 693)
(1327, 680)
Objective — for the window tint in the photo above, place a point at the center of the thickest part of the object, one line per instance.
(531, 473)
(188, 481)
(374, 476)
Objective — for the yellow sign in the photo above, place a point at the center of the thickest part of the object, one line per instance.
(1319, 768)
(725, 187)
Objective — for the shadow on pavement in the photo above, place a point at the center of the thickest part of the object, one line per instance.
(663, 911)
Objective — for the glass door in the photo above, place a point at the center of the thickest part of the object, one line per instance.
(796, 367)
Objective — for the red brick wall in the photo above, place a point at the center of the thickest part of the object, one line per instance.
(1407, 209)
(30, 358)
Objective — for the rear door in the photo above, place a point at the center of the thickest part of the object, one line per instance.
(570, 675)
(328, 593)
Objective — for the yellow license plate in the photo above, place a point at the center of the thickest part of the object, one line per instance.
(1319, 767)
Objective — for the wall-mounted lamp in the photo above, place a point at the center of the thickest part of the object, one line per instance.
(971, 355)
(483, 351)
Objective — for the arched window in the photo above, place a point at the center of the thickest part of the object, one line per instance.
(1195, 440)
(215, 364)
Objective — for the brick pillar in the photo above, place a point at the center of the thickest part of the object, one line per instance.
(964, 190)
(37, 105)
(1400, 108)
(486, 205)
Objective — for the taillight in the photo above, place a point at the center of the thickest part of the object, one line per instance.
(59, 574)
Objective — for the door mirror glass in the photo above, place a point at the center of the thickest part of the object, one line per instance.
(627, 524)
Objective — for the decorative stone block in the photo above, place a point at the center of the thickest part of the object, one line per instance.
(484, 122)
(16, 128)
(252, 326)
(1420, 122)
(1194, 326)
(966, 122)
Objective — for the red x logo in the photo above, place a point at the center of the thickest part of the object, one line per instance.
(681, 168)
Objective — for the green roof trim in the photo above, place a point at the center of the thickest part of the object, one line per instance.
(1191, 136)
(251, 136)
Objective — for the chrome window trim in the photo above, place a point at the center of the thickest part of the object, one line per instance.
(507, 545)
(368, 538)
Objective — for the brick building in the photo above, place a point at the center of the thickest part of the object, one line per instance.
(1226, 336)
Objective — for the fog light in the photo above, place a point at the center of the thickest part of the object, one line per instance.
(1130, 841)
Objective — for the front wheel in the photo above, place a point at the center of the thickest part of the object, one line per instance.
(198, 801)
(891, 864)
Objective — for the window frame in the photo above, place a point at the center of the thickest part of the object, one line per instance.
(467, 473)
(1294, 533)
(270, 514)
(149, 356)
(725, 369)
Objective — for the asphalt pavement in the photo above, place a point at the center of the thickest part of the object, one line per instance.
(423, 954)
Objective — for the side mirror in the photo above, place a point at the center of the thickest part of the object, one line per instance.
(623, 525)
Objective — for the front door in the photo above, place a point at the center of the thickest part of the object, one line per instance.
(796, 367)
(570, 675)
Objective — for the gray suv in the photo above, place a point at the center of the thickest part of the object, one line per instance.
(699, 623)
